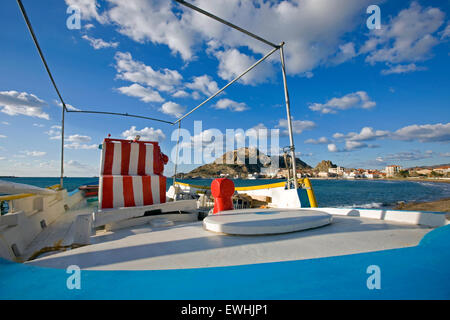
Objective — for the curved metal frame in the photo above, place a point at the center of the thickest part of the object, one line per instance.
(275, 48)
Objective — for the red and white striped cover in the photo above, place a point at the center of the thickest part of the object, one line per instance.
(131, 191)
(131, 174)
(125, 157)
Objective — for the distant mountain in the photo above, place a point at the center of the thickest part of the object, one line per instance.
(324, 165)
(242, 156)
(430, 167)
(299, 163)
(237, 163)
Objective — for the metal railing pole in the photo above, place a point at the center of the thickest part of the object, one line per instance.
(289, 119)
(120, 114)
(62, 150)
(229, 84)
(206, 13)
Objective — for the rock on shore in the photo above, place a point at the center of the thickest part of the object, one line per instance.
(442, 205)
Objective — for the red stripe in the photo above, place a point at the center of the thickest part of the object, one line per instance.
(147, 190)
(125, 164)
(128, 193)
(141, 161)
(107, 192)
(162, 189)
(109, 157)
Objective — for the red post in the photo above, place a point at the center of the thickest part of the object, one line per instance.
(222, 189)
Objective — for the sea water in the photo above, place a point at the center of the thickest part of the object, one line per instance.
(329, 193)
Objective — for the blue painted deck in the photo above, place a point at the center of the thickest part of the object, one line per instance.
(421, 272)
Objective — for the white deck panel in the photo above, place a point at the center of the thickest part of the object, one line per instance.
(190, 246)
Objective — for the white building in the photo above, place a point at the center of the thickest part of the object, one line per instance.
(337, 171)
(392, 170)
(270, 171)
(370, 175)
(443, 169)
(323, 174)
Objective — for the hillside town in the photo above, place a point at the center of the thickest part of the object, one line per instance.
(237, 164)
(326, 169)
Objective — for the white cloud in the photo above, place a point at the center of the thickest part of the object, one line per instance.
(205, 84)
(153, 21)
(354, 145)
(321, 140)
(137, 72)
(359, 99)
(232, 63)
(446, 32)
(400, 68)
(312, 29)
(350, 146)
(35, 153)
(88, 8)
(180, 94)
(298, 126)
(332, 147)
(147, 134)
(5, 123)
(423, 133)
(406, 156)
(74, 164)
(68, 106)
(74, 141)
(144, 94)
(100, 43)
(2, 136)
(260, 131)
(301, 154)
(346, 52)
(54, 132)
(15, 103)
(173, 109)
(50, 168)
(78, 138)
(366, 134)
(80, 146)
(408, 37)
(39, 125)
(231, 105)
(196, 95)
(439, 132)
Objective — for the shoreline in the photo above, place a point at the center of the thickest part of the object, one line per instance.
(441, 205)
(386, 179)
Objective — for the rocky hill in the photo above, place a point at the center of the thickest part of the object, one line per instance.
(324, 165)
(237, 163)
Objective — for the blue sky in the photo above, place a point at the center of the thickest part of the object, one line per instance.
(359, 97)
